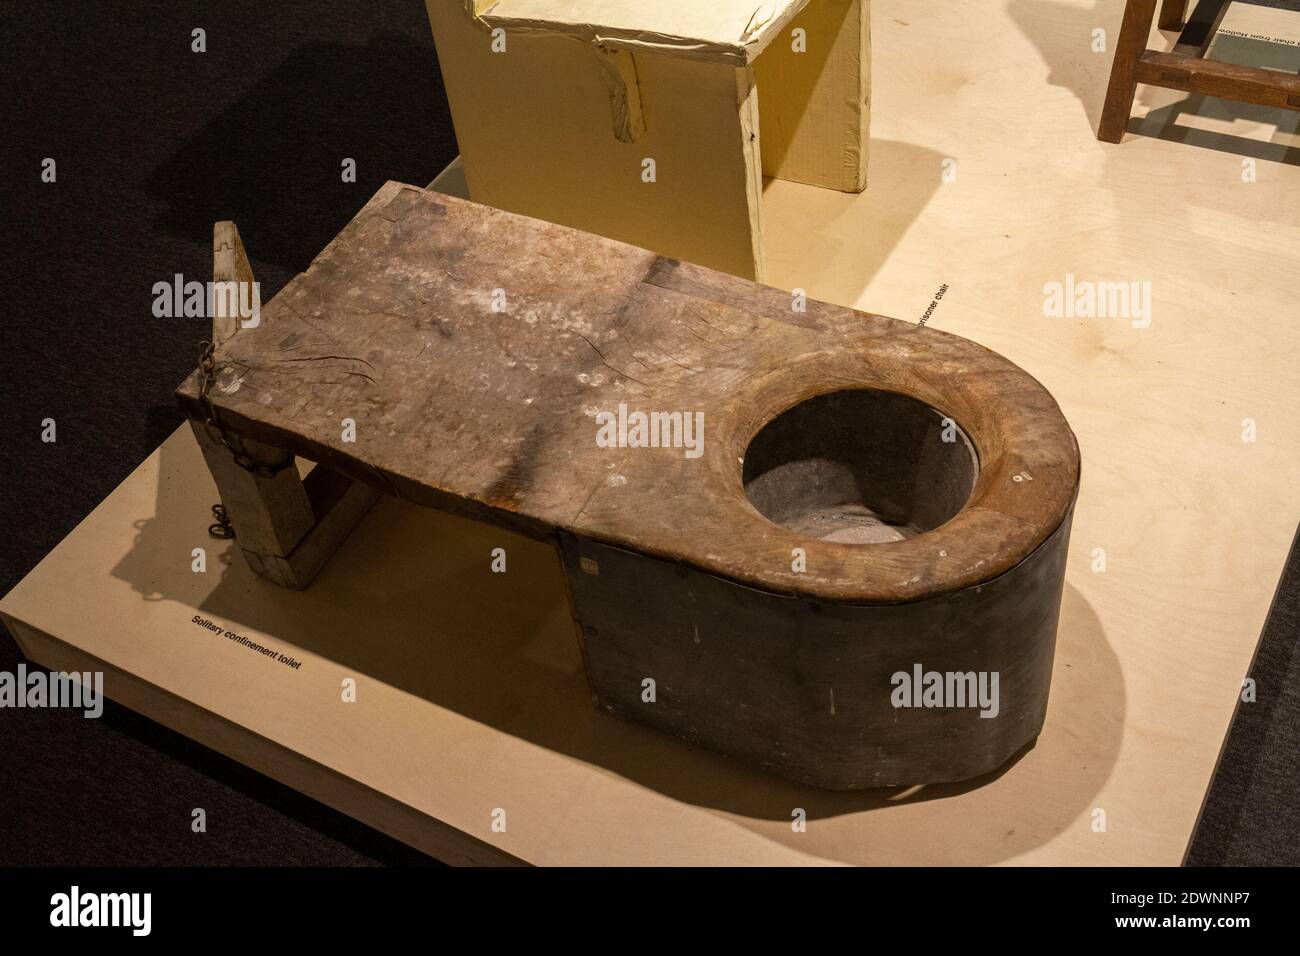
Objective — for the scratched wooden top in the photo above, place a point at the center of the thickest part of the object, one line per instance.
(491, 413)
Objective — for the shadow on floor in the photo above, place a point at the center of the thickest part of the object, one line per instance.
(408, 601)
(309, 107)
(1062, 34)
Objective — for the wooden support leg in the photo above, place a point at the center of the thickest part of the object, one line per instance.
(1130, 46)
(815, 96)
(1199, 33)
(338, 504)
(270, 515)
(1172, 13)
(287, 528)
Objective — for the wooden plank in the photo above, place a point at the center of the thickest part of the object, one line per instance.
(814, 97)
(1227, 81)
(724, 31)
(337, 503)
(401, 311)
(229, 264)
(539, 136)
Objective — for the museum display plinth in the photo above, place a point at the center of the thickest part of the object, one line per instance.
(470, 691)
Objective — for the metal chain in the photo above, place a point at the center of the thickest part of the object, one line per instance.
(233, 443)
(221, 528)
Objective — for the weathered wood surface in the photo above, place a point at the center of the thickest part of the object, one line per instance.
(491, 414)
(287, 528)
(273, 512)
(229, 264)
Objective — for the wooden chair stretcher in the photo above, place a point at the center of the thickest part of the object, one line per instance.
(1185, 67)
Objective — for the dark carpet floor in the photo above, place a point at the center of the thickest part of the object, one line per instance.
(153, 143)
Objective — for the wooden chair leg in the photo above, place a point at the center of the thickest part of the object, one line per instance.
(1172, 14)
(1197, 36)
(1132, 43)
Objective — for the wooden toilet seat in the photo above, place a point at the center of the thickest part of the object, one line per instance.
(462, 358)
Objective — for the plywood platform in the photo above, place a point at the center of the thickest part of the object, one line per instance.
(470, 696)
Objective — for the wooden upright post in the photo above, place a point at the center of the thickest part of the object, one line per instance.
(286, 528)
(1172, 14)
(269, 515)
(229, 264)
(1130, 46)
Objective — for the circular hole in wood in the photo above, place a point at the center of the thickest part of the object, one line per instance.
(860, 467)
